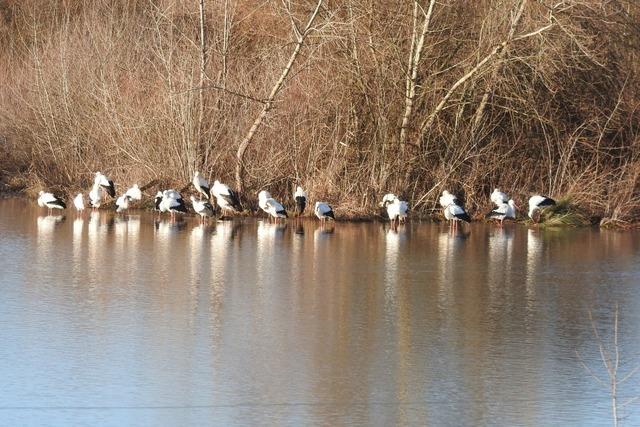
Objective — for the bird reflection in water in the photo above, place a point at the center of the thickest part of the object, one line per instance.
(46, 226)
(164, 227)
(200, 240)
(534, 252)
(78, 225)
(47, 223)
(500, 254)
(268, 231)
(449, 242)
(394, 238)
(203, 230)
(322, 233)
(325, 229)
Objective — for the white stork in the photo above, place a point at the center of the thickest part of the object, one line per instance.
(157, 201)
(202, 208)
(202, 185)
(172, 202)
(455, 213)
(226, 198)
(300, 196)
(122, 203)
(50, 201)
(105, 183)
(447, 198)
(134, 193)
(323, 211)
(78, 202)
(271, 206)
(537, 203)
(95, 196)
(396, 209)
(504, 211)
(498, 197)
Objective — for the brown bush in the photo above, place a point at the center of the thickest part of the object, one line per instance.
(522, 95)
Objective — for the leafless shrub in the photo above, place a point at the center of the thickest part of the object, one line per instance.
(409, 97)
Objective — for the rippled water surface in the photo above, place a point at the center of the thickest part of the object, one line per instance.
(117, 320)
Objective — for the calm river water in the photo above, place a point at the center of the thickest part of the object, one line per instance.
(130, 320)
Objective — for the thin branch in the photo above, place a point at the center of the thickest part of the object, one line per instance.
(224, 89)
(414, 62)
(269, 102)
(431, 117)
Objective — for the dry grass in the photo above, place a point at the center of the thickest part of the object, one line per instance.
(544, 103)
(564, 213)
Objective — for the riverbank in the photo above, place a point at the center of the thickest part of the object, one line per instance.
(498, 97)
(562, 215)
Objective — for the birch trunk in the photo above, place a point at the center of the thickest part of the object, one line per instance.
(496, 71)
(200, 160)
(242, 148)
(412, 72)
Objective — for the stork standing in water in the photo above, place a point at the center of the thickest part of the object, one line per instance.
(122, 203)
(78, 202)
(504, 211)
(157, 200)
(453, 210)
(226, 198)
(300, 196)
(201, 185)
(202, 208)
(536, 204)
(323, 211)
(172, 202)
(133, 193)
(455, 213)
(95, 196)
(50, 201)
(271, 206)
(106, 184)
(396, 209)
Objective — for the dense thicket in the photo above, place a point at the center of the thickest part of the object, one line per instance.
(384, 95)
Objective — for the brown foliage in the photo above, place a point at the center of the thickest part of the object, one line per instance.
(114, 85)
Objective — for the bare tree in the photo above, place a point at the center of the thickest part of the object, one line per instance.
(496, 71)
(426, 124)
(268, 104)
(417, 42)
(203, 75)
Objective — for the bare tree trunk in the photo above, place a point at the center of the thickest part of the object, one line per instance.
(414, 61)
(496, 71)
(225, 44)
(242, 148)
(203, 75)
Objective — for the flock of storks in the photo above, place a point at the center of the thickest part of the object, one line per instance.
(172, 202)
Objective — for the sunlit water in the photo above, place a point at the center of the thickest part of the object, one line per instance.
(117, 320)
